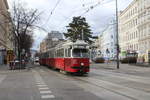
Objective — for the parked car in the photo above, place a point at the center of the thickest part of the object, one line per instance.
(129, 60)
(16, 64)
(36, 60)
(99, 60)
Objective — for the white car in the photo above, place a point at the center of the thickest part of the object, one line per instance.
(36, 60)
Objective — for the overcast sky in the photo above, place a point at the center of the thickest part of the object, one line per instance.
(98, 17)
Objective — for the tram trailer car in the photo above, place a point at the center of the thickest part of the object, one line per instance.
(70, 57)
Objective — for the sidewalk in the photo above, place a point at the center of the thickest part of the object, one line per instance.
(4, 67)
(17, 85)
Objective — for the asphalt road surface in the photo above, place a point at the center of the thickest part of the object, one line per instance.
(104, 82)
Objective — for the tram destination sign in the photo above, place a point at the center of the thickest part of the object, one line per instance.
(80, 46)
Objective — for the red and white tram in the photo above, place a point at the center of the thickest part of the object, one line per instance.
(71, 57)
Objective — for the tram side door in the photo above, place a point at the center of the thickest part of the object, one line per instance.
(67, 59)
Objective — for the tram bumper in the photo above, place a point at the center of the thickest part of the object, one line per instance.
(81, 69)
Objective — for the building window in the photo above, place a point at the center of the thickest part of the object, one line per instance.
(136, 34)
(112, 36)
(136, 22)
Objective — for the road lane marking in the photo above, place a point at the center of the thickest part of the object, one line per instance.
(39, 81)
(47, 96)
(43, 88)
(42, 85)
(45, 92)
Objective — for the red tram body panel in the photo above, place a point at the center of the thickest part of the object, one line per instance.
(74, 60)
(67, 64)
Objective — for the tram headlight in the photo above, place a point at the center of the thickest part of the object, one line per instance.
(82, 64)
(87, 47)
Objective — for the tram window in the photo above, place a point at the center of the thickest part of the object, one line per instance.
(55, 53)
(69, 53)
(60, 53)
(66, 53)
(80, 53)
(47, 54)
(51, 54)
(44, 55)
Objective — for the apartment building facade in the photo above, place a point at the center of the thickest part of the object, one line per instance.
(4, 26)
(134, 29)
(43, 46)
(105, 45)
(6, 41)
(128, 28)
(144, 28)
(51, 40)
(95, 50)
(108, 41)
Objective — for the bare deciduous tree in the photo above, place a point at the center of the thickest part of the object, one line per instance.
(23, 22)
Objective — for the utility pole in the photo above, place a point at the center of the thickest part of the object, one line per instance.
(117, 38)
(82, 35)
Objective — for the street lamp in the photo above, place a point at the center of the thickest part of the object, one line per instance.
(117, 39)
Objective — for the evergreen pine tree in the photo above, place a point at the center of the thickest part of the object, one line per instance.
(79, 29)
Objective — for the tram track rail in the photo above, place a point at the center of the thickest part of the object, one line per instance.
(106, 89)
(100, 84)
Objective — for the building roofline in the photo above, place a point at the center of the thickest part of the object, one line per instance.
(130, 5)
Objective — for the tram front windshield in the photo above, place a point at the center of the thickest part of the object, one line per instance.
(80, 53)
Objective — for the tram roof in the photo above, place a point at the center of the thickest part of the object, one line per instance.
(78, 42)
(70, 43)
